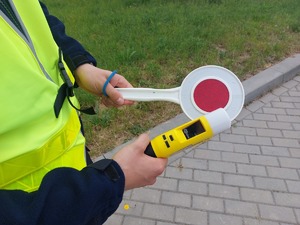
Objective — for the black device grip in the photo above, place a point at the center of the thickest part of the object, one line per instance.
(149, 151)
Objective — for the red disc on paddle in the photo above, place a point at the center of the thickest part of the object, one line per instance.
(211, 94)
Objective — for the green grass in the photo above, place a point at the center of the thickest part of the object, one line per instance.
(156, 43)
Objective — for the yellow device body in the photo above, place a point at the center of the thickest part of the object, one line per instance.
(190, 133)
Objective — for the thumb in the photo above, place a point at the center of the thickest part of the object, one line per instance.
(114, 95)
(142, 142)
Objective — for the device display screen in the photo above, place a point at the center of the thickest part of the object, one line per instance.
(193, 130)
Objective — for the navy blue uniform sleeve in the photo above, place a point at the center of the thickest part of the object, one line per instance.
(74, 53)
(66, 196)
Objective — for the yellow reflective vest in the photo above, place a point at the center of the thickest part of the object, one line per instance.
(32, 140)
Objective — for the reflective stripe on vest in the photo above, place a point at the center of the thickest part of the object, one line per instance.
(63, 149)
(32, 140)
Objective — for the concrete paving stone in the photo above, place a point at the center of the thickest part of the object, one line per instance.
(291, 134)
(290, 99)
(243, 114)
(240, 208)
(268, 97)
(294, 93)
(277, 213)
(287, 199)
(290, 163)
(254, 106)
(293, 112)
(204, 145)
(194, 163)
(135, 208)
(244, 131)
(264, 160)
(281, 111)
(235, 157)
(208, 154)
(221, 219)
(208, 176)
(191, 153)
(193, 187)
(279, 90)
(290, 84)
(251, 149)
(138, 221)
(237, 123)
(260, 110)
(146, 194)
(264, 117)
(165, 183)
(286, 94)
(227, 167)
(270, 184)
(284, 173)
(297, 105)
(178, 155)
(249, 169)
(249, 117)
(275, 151)
(176, 199)
(268, 104)
(255, 195)
(281, 106)
(255, 123)
(286, 142)
(294, 89)
(293, 186)
(179, 173)
(250, 221)
(232, 138)
(297, 78)
(295, 152)
(220, 146)
(269, 133)
(255, 140)
(159, 212)
(280, 125)
(127, 194)
(297, 212)
(189, 216)
(296, 126)
(223, 191)
(238, 180)
(208, 203)
(288, 118)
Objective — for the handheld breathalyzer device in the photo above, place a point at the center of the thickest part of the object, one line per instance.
(193, 132)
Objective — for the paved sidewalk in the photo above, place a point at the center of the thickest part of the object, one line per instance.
(249, 174)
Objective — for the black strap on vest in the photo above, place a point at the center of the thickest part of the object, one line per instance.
(66, 91)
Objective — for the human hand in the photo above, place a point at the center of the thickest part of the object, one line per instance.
(92, 80)
(139, 169)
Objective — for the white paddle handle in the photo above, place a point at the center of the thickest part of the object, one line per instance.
(150, 94)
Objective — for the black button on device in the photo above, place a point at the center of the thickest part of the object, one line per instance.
(167, 144)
